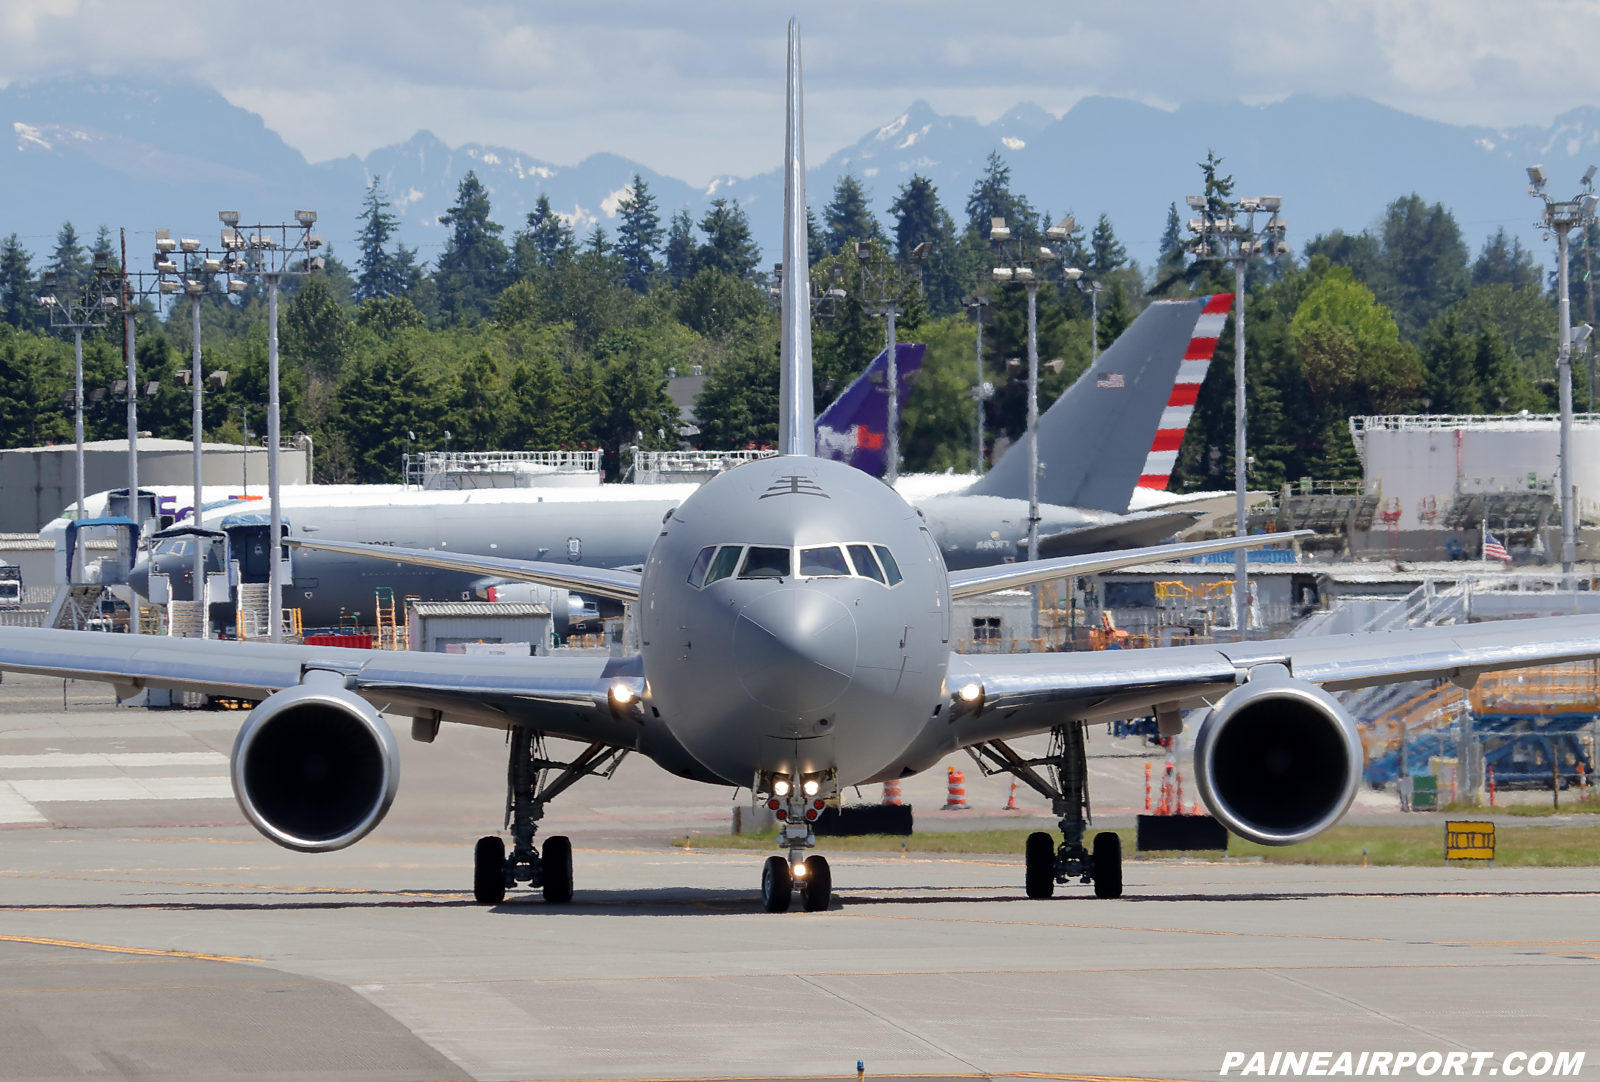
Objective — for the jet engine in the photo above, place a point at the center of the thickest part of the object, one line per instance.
(315, 767)
(1278, 760)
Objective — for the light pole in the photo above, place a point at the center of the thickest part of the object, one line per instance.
(1561, 217)
(90, 308)
(1030, 263)
(269, 252)
(1228, 232)
(982, 389)
(1094, 289)
(887, 281)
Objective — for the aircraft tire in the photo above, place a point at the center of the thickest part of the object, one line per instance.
(777, 886)
(555, 870)
(1041, 865)
(1107, 865)
(489, 871)
(817, 891)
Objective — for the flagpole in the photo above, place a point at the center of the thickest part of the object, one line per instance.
(1483, 538)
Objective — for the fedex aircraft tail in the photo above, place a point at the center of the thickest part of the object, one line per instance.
(854, 428)
(1119, 426)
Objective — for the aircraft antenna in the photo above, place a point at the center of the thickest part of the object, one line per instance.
(796, 424)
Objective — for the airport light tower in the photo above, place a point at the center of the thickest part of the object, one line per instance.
(1027, 263)
(1561, 217)
(92, 306)
(1229, 232)
(885, 282)
(983, 389)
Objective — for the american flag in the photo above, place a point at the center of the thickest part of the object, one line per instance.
(1111, 380)
(1494, 550)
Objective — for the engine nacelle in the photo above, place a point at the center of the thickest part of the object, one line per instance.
(315, 767)
(1278, 760)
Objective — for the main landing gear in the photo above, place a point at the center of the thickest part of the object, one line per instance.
(796, 803)
(1048, 864)
(529, 787)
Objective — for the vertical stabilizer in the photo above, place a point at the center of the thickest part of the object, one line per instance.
(795, 412)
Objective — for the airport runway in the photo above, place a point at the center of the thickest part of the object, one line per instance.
(146, 932)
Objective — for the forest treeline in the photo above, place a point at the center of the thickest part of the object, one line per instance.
(539, 338)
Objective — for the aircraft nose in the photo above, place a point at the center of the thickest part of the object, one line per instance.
(139, 578)
(795, 650)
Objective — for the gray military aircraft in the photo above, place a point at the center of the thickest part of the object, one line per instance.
(795, 622)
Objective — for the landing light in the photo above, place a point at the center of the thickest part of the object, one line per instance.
(780, 788)
(970, 693)
(810, 788)
(799, 870)
(621, 694)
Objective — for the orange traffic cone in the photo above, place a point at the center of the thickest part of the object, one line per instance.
(891, 792)
(956, 795)
(1011, 801)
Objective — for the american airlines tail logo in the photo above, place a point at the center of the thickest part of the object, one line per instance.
(795, 485)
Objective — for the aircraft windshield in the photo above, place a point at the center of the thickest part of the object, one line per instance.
(172, 548)
(822, 561)
(716, 562)
(765, 563)
(702, 564)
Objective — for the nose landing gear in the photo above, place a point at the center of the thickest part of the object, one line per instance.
(796, 809)
(529, 787)
(1048, 864)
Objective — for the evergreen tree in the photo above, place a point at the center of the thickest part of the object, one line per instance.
(473, 267)
(816, 245)
(1218, 190)
(378, 402)
(388, 316)
(16, 284)
(729, 248)
(1452, 360)
(1504, 261)
(543, 242)
(738, 405)
(1172, 246)
(380, 272)
(1105, 254)
(680, 247)
(70, 263)
(316, 332)
(597, 243)
(848, 216)
(538, 412)
(992, 198)
(916, 213)
(1116, 314)
(1425, 258)
(639, 236)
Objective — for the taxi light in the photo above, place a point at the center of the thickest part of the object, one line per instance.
(799, 870)
(819, 804)
(782, 815)
(780, 787)
(811, 787)
(621, 694)
(773, 804)
(811, 813)
(970, 692)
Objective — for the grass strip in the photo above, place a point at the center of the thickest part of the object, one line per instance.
(1411, 846)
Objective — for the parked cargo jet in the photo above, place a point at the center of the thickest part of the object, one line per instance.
(795, 620)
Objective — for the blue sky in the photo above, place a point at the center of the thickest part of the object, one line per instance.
(693, 89)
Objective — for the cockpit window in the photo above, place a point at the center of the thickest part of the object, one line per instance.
(726, 561)
(866, 566)
(765, 563)
(172, 548)
(890, 568)
(702, 564)
(822, 561)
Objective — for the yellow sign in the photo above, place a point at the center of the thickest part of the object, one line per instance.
(1468, 841)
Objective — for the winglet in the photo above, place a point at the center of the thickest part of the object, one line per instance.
(796, 434)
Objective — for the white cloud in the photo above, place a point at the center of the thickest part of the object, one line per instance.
(697, 91)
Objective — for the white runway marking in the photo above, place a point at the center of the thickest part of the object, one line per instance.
(14, 809)
(38, 790)
(58, 759)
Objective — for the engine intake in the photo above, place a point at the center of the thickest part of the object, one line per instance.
(315, 767)
(1278, 760)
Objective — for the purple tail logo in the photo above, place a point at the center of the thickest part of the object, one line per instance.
(855, 428)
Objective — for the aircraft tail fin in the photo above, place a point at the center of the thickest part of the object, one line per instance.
(1119, 426)
(854, 428)
(795, 409)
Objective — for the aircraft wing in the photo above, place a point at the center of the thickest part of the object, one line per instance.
(564, 696)
(986, 580)
(617, 585)
(1027, 693)
(1141, 528)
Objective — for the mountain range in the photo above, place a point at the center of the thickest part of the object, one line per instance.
(150, 155)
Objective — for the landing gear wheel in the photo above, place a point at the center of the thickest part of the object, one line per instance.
(489, 871)
(1107, 865)
(1041, 861)
(777, 887)
(555, 870)
(817, 890)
